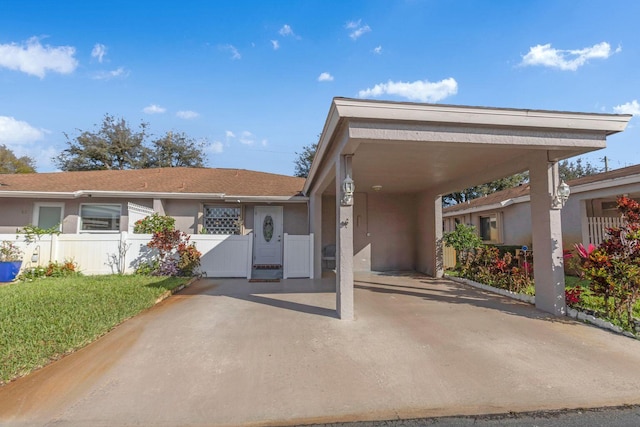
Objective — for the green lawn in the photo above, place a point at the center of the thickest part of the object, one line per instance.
(42, 320)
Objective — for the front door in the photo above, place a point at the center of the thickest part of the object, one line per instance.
(267, 243)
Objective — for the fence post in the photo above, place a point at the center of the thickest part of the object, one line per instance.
(311, 257)
(53, 250)
(249, 255)
(285, 273)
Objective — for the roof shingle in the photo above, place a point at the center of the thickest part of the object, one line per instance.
(232, 182)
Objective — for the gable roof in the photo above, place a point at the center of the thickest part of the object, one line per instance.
(179, 182)
(512, 195)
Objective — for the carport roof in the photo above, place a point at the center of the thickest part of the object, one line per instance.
(409, 147)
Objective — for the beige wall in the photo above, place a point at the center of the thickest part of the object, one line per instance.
(16, 213)
(384, 230)
(295, 219)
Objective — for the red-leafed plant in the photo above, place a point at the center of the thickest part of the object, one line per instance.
(613, 268)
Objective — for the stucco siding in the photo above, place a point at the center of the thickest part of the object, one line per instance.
(516, 225)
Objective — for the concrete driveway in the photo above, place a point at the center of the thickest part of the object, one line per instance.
(228, 352)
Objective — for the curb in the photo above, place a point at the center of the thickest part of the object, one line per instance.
(167, 294)
(520, 297)
(571, 312)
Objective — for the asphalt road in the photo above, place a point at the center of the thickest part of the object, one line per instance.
(627, 416)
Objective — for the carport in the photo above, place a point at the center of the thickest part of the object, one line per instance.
(402, 157)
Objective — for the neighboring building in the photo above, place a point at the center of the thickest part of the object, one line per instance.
(504, 217)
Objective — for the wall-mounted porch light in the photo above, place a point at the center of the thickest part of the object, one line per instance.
(376, 187)
(561, 196)
(348, 188)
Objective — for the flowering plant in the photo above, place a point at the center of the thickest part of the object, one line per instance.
(9, 252)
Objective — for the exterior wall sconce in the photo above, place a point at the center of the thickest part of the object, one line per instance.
(348, 188)
(376, 187)
(561, 196)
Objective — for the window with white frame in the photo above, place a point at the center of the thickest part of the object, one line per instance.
(222, 220)
(489, 228)
(100, 217)
(48, 215)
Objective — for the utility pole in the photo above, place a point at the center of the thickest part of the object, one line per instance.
(606, 164)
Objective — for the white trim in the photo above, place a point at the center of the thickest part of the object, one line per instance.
(268, 199)
(38, 205)
(81, 231)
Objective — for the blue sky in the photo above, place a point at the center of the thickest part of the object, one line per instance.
(255, 79)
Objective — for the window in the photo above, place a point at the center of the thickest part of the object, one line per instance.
(222, 220)
(48, 215)
(489, 228)
(94, 217)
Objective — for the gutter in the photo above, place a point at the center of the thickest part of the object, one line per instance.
(266, 199)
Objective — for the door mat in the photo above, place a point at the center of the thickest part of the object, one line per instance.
(263, 280)
(267, 267)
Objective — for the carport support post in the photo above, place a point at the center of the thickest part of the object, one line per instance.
(547, 236)
(315, 221)
(344, 244)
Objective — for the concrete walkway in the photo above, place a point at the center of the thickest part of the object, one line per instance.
(228, 352)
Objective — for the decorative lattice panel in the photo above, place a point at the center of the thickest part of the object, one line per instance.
(221, 220)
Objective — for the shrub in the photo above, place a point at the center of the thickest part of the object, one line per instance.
(613, 268)
(463, 239)
(487, 266)
(154, 224)
(9, 252)
(175, 255)
(53, 269)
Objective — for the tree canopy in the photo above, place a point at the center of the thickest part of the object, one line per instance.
(484, 189)
(304, 160)
(115, 145)
(10, 163)
(569, 170)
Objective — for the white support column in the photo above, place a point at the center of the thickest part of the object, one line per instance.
(430, 255)
(547, 236)
(344, 245)
(315, 224)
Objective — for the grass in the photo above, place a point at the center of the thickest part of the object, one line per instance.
(45, 319)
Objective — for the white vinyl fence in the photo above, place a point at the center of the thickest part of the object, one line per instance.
(298, 256)
(222, 255)
(598, 228)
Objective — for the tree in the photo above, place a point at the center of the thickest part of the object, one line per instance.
(176, 149)
(9, 163)
(304, 160)
(569, 170)
(115, 145)
(484, 189)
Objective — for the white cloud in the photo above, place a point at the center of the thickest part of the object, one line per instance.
(264, 142)
(325, 77)
(547, 56)
(230, 134)
(99, 51)
(35, 59)
(216, 147)
(15, 132)
(108, 75)
(632, 107)
(275, 44)
(247, 138)
(234, 52)
(357, 29)
(420, 90)
(154, 109)
(187, 114)
(377, 50)
(286, 31)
